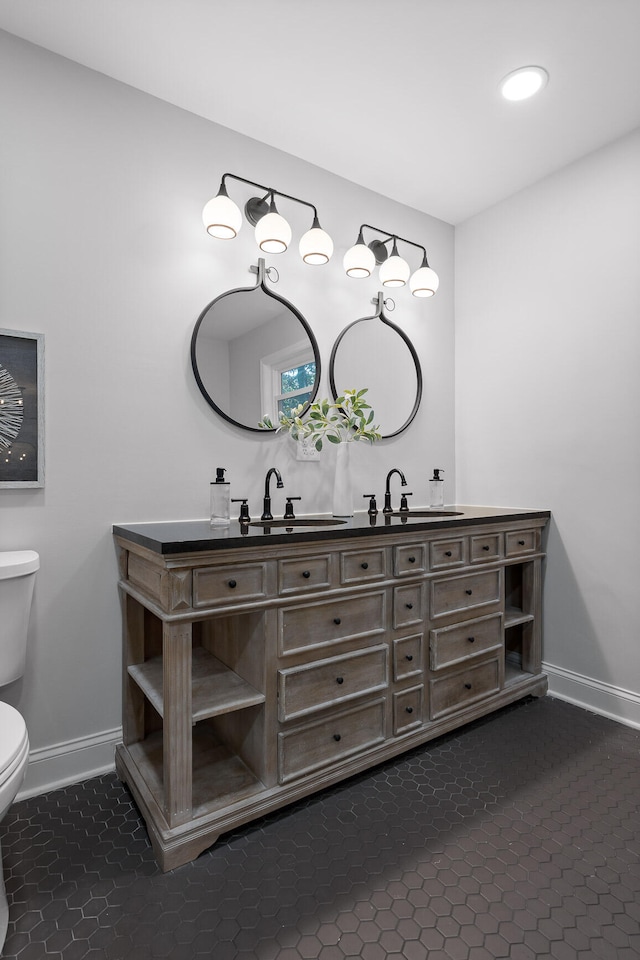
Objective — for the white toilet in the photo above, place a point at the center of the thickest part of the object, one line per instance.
(17, 577)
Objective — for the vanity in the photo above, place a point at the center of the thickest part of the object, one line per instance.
(262, 664)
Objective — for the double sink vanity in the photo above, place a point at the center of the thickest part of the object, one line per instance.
(265, 662)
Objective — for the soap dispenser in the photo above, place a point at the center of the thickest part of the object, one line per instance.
(220, 500)
(436, 489)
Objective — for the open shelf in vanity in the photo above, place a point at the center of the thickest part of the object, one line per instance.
(216, 688)
(220, 682)
(259, 669)
(522, 617)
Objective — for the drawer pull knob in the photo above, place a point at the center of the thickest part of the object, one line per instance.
(467, 686)
(412, 559)
(339, 679)
(468, 592)
(485, 546)
(306, 574)
(471, 639)
(409, 606)
(365, 565)
(232, 584)
(409, 657)
(409, 709)
(447, 553)
(521, 543)
(337, 621)
(337, 737)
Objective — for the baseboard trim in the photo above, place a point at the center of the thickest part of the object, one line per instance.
(51, 768)
(595, 695)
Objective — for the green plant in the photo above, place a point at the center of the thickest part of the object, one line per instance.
(349, 418)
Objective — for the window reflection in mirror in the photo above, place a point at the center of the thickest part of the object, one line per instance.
(253, 354)
(287, 379)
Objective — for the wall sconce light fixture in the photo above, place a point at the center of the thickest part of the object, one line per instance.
(361, 259)
(222, 219)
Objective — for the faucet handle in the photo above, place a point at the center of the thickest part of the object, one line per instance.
(288, 510)
(244, 509)
(373, 506)
(404, 506)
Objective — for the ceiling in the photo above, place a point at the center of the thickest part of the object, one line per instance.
(399, 96)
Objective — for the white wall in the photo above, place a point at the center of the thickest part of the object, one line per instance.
(102, 250)
(548, 403)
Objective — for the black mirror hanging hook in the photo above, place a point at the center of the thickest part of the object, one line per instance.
(381, 303)
(264, 272)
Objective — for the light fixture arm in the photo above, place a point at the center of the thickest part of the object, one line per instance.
(390, 236)
(269, 192)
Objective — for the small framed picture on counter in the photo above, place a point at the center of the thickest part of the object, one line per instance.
(21, 409)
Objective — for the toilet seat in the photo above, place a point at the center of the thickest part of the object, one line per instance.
(14, 741)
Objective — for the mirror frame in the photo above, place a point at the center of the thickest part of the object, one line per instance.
(260, 285)
(380, 315)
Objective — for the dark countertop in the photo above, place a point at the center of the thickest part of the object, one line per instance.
(188, 536)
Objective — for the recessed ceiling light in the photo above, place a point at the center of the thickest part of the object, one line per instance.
(523, 82)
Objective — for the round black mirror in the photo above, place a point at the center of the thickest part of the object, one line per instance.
(373, 352)
(254, 354)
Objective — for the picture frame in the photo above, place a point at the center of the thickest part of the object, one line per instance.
(21, 409)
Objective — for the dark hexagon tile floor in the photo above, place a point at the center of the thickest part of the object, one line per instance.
(517, 836)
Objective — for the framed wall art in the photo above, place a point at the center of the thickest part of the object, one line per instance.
(21, 409)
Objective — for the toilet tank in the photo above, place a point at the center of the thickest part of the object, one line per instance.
(17, 577)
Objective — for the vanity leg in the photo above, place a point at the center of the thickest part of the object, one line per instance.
(133, 652)
(532, 591)
(177, 747)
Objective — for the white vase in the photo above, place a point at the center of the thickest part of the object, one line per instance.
(342, 489)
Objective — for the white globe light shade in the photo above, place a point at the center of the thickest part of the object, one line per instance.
(273, 233)
(222, 218)
(394, 272)
(316, 246)
(424, 282)
(359, 261)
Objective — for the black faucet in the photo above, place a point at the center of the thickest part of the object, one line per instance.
(387, 494)
(266, 506)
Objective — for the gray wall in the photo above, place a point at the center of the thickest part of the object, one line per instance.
(548, 403)
(102, 250)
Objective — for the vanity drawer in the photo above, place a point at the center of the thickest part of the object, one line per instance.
(519, 542)
(409, 560)
(407, 657)
(326, 622)
(231, 584)
(319, 684)
(298, 576)
(486, 547)
(408, 605)
(449, 645)
(362, 565)
(463, 687)
(408, 709)
(457, 594)
(329, 741)
(447, 553)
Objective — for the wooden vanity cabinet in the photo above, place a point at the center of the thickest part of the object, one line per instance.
(257, 674)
